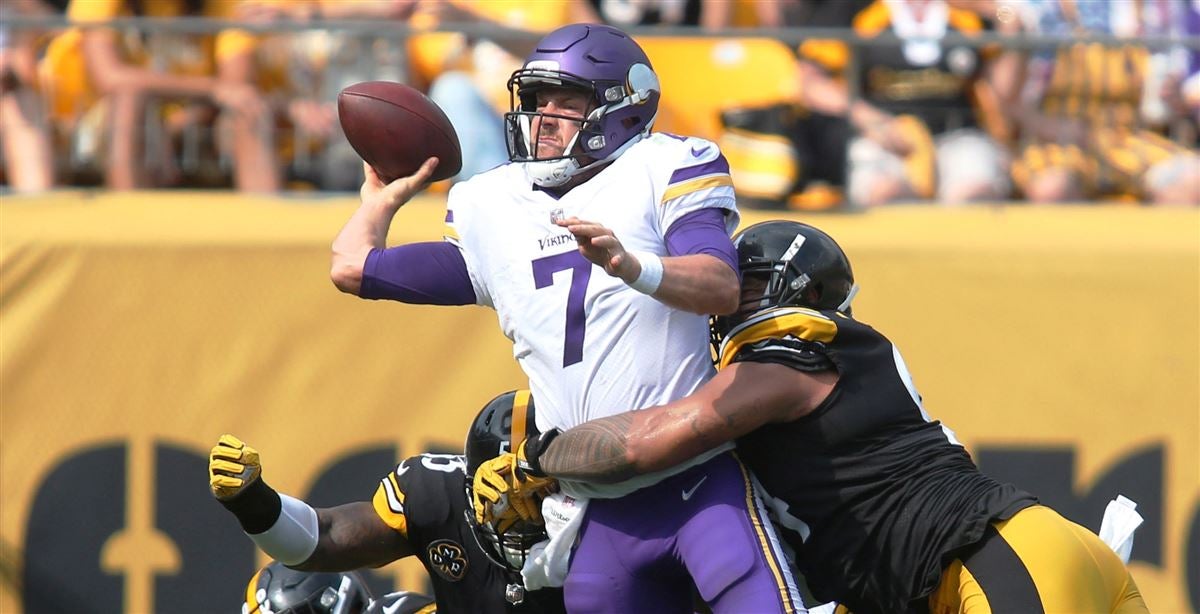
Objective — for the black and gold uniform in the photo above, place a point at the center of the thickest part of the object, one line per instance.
(925, 79)
(424, 499)
(886, 510)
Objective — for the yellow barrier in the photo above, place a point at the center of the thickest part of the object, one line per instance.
(1063, 345)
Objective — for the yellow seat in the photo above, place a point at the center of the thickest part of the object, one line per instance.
(703, 76)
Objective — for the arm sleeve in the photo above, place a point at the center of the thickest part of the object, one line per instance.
(432, 273)
(702, 232)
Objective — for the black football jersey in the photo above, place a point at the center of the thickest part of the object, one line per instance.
(937, 88)
(425, 499)
(875, 497)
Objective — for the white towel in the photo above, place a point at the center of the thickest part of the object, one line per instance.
(1120, 521)
(546, 565)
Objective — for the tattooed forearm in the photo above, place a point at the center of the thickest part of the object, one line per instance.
(595, 451)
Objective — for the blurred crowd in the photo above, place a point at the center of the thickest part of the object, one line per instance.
(923, 115)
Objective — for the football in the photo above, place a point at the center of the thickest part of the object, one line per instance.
(394, 128)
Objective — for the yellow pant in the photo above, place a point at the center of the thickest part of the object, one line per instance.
(1038, 561)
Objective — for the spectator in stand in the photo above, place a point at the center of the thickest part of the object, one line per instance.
(923, 109)
(299, 76)
(24, 137)
(159, 73)
(465, 86)
(1083, 113)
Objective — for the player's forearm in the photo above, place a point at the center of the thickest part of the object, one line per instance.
(353, 537)
(698, 283)
(366, 230)
(616, 448)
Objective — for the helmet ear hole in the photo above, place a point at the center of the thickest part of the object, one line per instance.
(812, 294)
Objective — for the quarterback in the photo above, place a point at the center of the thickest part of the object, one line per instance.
(884, 506)
(602, 248)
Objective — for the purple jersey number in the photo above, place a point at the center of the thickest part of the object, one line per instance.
(581, 271)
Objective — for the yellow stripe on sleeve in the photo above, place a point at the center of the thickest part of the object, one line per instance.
(695, 185)
(388, 503)
(450, 233)
(794, 321)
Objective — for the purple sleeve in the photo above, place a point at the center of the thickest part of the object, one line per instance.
(432, 273)
(702, 232)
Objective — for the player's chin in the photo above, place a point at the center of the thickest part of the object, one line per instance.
(546, 152)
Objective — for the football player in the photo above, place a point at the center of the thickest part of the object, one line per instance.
(602, 248)
(884, 505)
(419, 509)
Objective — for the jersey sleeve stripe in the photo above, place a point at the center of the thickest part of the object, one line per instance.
(450, 234)
(392, 517)
(712, 167)
(695, 185)
(800, 323)
(395, 493)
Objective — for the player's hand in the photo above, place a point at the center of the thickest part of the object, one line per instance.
(601, 247)
(232, 466)
(489, 487)
(392, 196)
(500, 481)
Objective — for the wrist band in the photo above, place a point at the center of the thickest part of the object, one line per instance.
(293, 537)
(651, 275)
(533, 448)
(256, 507)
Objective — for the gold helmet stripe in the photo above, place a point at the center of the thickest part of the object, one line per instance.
(519, 414)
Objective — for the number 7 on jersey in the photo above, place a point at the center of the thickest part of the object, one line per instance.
(581, 271)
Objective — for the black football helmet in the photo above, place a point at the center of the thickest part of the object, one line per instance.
(277, 589)
(795, 265)
(500, 427)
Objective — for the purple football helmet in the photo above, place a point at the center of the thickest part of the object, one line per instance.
(612, 69)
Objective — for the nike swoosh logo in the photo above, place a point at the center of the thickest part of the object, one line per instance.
(687, 494)
(699, 152)
(391, 609)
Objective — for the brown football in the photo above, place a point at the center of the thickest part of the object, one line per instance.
(394, 128)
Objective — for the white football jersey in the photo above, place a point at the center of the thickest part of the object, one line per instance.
(590, 345)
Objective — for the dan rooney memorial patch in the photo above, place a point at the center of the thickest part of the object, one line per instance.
(448, 559)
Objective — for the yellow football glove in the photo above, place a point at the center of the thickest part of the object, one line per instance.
(489, 487)
(232, 466)
(502, 476)
(526, 485)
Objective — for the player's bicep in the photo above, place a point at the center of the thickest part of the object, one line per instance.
(430, 273)
(354, 536)
(739, 399)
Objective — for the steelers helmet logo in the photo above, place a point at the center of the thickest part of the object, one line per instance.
(448, 559)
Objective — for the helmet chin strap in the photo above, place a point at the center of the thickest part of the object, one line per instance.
(555, 173)
(849, 298)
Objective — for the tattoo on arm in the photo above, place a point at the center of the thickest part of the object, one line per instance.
(594, 451)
